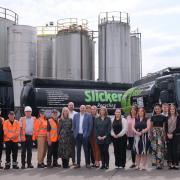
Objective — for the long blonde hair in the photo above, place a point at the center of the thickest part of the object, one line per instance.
(62, 113)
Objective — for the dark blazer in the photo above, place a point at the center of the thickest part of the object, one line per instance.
(87, 125)
(177, 130)
(103, 128)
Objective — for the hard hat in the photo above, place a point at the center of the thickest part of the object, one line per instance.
(27, 109)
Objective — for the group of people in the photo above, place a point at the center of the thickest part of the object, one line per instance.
(63, 137)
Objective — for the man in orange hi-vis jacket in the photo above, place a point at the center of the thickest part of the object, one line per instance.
(11, 137)
(26, 136)
(52, 137)
(40, 133)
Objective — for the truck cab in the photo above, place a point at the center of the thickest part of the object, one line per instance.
(161, 87)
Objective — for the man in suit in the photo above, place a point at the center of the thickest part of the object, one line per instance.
(82, 126)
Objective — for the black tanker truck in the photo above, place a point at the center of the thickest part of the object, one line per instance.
(49, 93)
(162, 86)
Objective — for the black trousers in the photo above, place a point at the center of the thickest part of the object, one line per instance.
(26, 148)
(80, 141)
(120, 145)
(1, 149)
(104, 151)
(172, 151)
(52, 153)
(131, 144)
(11, 148)
(65, 163)
(74, 151)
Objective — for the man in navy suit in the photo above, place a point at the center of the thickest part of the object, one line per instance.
(82, 126)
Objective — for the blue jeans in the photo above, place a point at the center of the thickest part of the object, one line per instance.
(80, 140)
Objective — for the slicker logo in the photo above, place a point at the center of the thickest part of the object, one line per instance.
(103, 96)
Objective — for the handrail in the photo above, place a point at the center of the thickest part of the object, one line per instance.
(71, 24)
(114, 16)
(9, 14)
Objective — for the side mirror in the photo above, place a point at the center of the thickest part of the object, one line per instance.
(164, 96)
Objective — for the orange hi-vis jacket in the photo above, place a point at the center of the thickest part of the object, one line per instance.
(53, 134)
(23, 128)
(40, 128)
(11, 131)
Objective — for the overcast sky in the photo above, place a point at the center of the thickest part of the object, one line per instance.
(157, 20)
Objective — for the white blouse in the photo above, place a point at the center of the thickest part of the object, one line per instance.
(124, 128)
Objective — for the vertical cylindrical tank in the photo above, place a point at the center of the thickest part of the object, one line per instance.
(45, 56)
(7, 19)
(45, 41)
(22, 56)
(54, 58)
(136, 67)
(114, 47)
(92, 44)
(73, 50)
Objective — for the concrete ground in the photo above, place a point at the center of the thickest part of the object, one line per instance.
(84, 173)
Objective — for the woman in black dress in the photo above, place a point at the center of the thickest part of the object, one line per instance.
(141, 126)
(66, 137)
(103, 131)
(172, 129)
(119, 138)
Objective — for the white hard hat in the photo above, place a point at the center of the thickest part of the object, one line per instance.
(27, 109)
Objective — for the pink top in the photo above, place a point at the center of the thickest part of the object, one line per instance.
(130, 132)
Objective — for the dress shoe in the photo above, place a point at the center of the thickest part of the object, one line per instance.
(30, 166)
(7, 167)
(40, 166)
(56, 165)
(15, 167)
(77, 166)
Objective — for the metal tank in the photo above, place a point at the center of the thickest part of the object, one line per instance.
(7, 19)
(114, 47)
(136, 56)
(45, 64)
(44, 56)
(54, 58)
(73, 50)
(92, 59)
(22, 56)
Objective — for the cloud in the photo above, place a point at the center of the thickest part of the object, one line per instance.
(159, 11)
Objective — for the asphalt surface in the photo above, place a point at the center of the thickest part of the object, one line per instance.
(83, 173)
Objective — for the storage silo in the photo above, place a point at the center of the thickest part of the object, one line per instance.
(7, 19)
(45, 65)
(136, 56)
(92, 45)
(114, 47)
(54, 58)
(73, 50)
(22, 56)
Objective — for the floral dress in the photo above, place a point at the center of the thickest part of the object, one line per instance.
(66, 140)
(158, 138)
